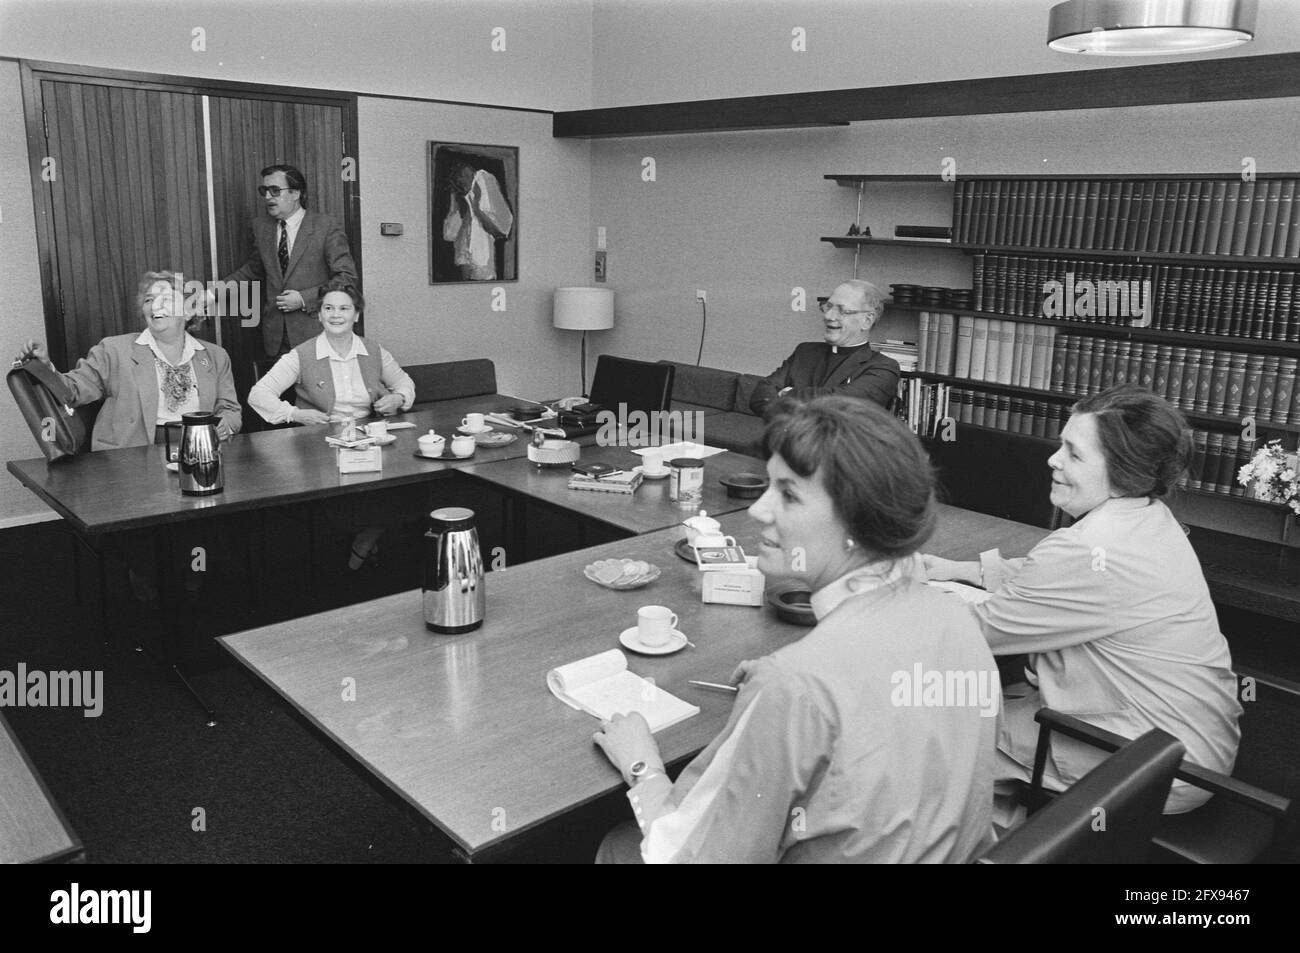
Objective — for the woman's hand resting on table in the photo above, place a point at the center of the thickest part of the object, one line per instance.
(626, 739)
(936, 567)
(388, 405)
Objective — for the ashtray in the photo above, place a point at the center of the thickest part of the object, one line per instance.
(745, 486)
(554, 453)
(622, 573)
(792, 603)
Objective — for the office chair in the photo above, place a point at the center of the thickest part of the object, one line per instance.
(1107, 817)
(641, 385)
(1236, 826)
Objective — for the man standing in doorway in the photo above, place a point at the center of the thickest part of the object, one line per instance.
(298, 256)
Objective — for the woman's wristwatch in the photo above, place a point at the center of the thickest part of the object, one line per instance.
(640, 771)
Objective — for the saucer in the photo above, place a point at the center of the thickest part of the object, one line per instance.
(655, 475)
(385, 440)
(445, 455)
(174, 467)
(473, 433)
(631, 640)
(685, 551)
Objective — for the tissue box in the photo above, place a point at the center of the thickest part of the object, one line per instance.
(364, 460)
(736, 587)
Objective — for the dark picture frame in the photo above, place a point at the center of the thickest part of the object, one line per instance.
(474, 199)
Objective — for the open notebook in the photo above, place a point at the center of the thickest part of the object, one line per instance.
(602, 686)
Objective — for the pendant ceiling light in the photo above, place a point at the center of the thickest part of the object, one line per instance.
(1149, 27)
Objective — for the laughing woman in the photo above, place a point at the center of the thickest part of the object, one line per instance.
(338, 375)
(1113, 611)
(147, 379)
(820, 761)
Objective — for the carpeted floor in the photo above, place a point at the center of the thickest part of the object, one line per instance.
(148, 782)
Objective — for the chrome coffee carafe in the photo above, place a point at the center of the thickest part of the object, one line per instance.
(454, 591)
(199, 455)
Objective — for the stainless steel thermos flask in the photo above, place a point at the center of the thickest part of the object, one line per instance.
(199, 456)
(454, 592)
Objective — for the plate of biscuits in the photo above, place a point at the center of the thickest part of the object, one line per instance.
(622, 573)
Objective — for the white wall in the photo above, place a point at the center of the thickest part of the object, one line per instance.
(435, 49)
(740, 214)
(421, 323)
(648, 51)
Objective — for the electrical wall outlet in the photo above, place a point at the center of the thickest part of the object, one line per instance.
(600, 266)
(701, 295)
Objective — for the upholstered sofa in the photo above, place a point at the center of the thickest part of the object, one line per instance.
(722, 397)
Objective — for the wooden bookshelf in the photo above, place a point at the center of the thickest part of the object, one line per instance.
(1194, 417)
(1126, 228)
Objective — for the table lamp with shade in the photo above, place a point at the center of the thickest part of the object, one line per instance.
(584, 309)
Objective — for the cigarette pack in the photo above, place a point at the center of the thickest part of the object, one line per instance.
(737, 587)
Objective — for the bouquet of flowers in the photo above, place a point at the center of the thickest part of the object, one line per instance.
(1274, 474)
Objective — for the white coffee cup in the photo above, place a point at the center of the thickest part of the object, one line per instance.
(655, 625)
(377, 428)
(473, 422)
(652, 461)
(431, 445)
(462, 445)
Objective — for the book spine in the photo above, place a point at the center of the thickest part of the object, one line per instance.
(1224, 482)
(1258, 212)
(1284, 394)
(1268, 229)
(1250, 395)
(993, 351)
(947, 327)
(1293, 225)
(1218, 383)
(1210, 240)
(923, 341)
(1073, 358)
(1182, 205)
(965, 333)
(1196, 466)
(1213, 463)
(1235, 404)
(1241, 226)
(979, 348)
(1231, 203)
(1268, 386)
(1007, 351)
(1192, 381)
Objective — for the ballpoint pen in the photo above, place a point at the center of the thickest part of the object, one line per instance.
(715, 686)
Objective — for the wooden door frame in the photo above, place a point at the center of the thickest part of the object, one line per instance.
(33, 72)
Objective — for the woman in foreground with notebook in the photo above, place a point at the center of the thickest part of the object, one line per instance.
(871, 739)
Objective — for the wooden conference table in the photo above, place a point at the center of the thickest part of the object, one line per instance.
(115, 490)
(464, 729)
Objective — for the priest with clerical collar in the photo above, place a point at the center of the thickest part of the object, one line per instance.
(843, 362)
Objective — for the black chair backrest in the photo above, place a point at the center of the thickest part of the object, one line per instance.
(641, 385)
(1108, 817)
(452, 379)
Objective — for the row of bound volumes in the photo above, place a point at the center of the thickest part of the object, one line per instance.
(1258, 304)
(1038, 418)
(1216, 460)
(1157, 216)
(1097, 292)
(1208, 381)
(986, 349)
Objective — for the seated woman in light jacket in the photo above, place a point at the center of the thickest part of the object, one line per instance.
(1113, 611)
(147, 379)
(336, 375)
(831, 753)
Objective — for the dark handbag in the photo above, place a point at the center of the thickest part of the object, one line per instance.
(45, 401)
